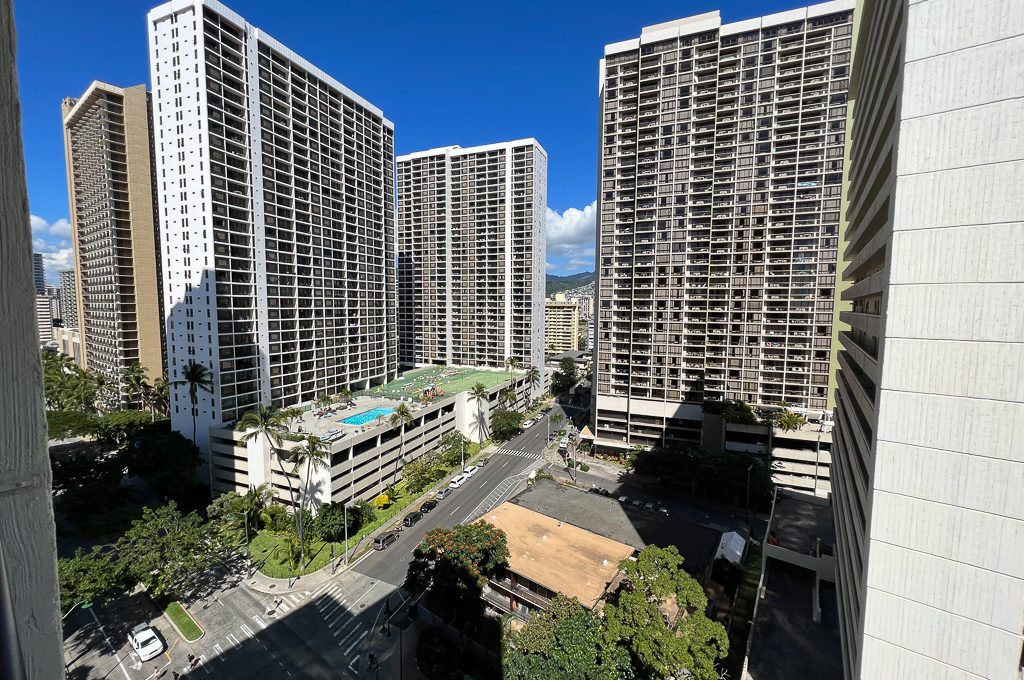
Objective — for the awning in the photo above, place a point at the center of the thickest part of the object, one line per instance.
(585, 433)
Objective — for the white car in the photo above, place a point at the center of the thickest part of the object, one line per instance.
(527, 424)
(145, 642)
(471, 470)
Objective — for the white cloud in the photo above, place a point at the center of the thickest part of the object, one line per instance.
(571, 234)
(41, 228)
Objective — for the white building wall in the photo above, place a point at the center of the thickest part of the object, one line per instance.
(945, 569)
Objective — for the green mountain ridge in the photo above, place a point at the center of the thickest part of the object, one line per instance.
(557, 284)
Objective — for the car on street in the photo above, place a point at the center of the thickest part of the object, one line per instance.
(663, 510)
(443, 493)
(649, 506)
(145, 642)
(411, 519)
(638, 503)
(623, 499)
(428, 506)
(457, 481)
(471, 470)
(384, 540)
(482, 462)
(527, 424)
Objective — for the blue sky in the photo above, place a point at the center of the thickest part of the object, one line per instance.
(446, 73)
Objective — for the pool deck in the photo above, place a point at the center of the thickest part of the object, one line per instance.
(325, 424)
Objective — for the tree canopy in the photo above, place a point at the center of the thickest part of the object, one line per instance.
(565, 377)
(506, 424)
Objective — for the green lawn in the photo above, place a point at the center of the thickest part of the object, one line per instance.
(184, 621)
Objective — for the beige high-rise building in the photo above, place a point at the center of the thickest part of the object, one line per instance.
(721, 168)
(471, 251)
(108, 153)
(561, 325)
(928, 464)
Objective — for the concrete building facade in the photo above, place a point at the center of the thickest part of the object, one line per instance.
(928, 464)
(276, 188)
(721, 166)
(116, 280)
(68, 299)
(471, 254)
(561, 325)
(38, 273)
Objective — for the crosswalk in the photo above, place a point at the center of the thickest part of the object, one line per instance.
(290, 601)
(520, 454)
(339, 611)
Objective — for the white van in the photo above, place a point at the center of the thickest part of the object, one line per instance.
(457, 481)
(470, 471)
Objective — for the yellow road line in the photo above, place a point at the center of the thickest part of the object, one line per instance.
(168, 652)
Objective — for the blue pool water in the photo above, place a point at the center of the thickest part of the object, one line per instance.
(367, 416)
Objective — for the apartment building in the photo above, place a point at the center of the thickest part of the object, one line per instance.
(44, 318)
(108, 153)
(561, 325)
(927, 469)
(471, 254)
(68, 299)
(721, 166)
(277, 218)
(38, 273)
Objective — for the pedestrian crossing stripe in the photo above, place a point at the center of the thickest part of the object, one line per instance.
(521, 454)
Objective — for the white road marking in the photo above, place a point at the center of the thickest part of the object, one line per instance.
(220, 652)
(347, 627)
(247, 631)
(352, 666)
(202, 664)
(334, 604)
(455, 510)
(233, 640)
(284, 607)
(352, 606)
(336, 617)
(259, 621)
(352, 646)
(296, 599)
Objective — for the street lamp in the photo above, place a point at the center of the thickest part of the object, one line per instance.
(84, 604)
(749, 468)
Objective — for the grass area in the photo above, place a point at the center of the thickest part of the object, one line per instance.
(184, 621)
(448, 379)
(269, 552)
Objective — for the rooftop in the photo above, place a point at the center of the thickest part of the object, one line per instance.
(799, 520)
(557, 555)
(623, 523)
(785, 640)
(436, 382)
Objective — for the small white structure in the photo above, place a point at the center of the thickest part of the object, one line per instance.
(731, 547)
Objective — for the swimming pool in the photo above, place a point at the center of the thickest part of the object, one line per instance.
(367, 416)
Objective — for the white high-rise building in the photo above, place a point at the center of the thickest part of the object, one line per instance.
(276, 211)
(471, 254)
(928, 465)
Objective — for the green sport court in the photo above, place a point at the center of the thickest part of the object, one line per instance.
(447, 379)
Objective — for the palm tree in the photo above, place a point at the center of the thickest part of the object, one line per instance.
(479, 393)
(196, 377)
(533, 377)
(786, 420)
(161, 394)
(314, 455)
(401, 416)
(133, 383)
(507, 397)
(556, 422)
(342, 396)
(269, 423)
(512, 364)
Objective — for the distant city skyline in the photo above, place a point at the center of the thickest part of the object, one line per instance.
(571, 34)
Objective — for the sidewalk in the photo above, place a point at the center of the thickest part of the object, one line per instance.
(274, 586)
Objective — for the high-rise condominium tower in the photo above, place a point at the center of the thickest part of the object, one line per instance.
(68, 299)
(928, 465)
(471, 249)
(108, 153)
(721, 166)
(277, 215)
(38, 273)
(562, 325)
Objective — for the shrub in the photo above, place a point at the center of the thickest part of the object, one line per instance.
(584, 467)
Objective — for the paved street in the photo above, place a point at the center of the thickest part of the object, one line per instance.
(322, 633)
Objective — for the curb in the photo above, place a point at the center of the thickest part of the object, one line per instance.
(178, 630)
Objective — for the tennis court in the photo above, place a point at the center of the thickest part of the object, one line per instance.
(437, 381)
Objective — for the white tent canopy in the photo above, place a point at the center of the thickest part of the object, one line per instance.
(731, 547)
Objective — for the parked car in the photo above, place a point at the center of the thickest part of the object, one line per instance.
(470, 471)
(457, 481)
(623, 499)
(482, 462)
(428, 505)
(384, 540)
(638, 503)
(663, 510)
(412, 518)
(527, 424)
(649, 506)
(443, 493)
(145, 642)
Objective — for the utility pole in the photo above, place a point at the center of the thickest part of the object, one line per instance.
(749, 468)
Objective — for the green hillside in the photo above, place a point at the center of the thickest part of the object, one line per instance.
(556, 284)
